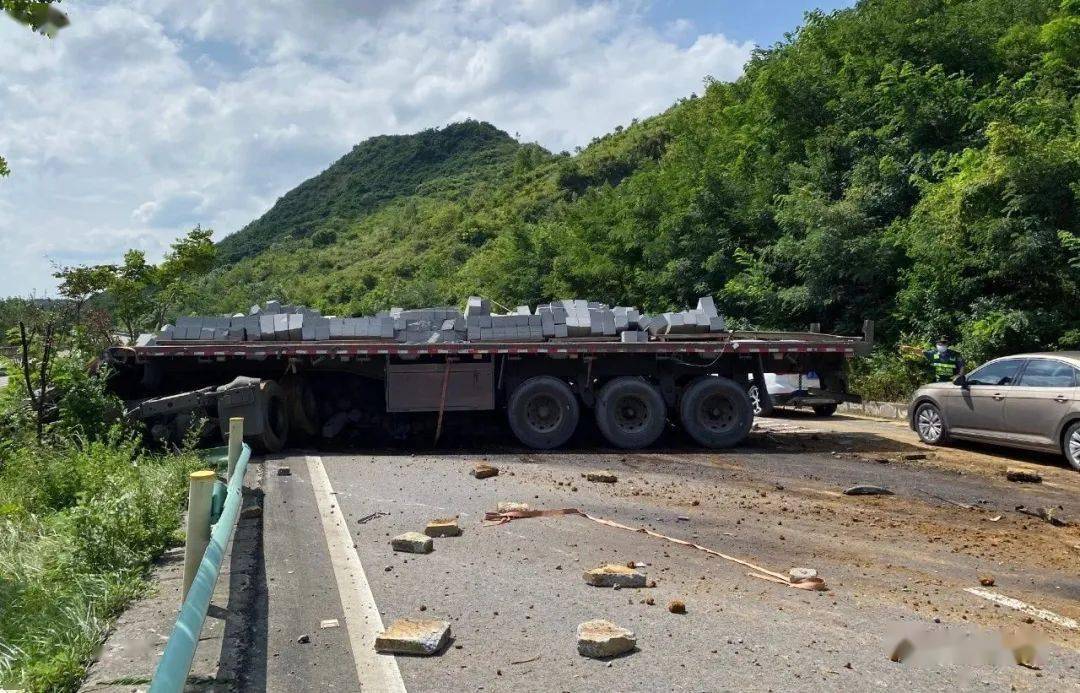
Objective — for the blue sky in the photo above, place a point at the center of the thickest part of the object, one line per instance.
(761, 21)
(146, 117)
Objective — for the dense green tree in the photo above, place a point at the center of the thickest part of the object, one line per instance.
(912, 161)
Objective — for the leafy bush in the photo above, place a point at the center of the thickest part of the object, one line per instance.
(887, 376)
(79, 525)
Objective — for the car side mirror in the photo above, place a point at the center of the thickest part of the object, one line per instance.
(961, 380)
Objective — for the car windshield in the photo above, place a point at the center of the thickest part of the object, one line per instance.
(996, 373)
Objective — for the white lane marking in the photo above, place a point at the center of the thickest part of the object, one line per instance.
(1012, 603)
(376, 672)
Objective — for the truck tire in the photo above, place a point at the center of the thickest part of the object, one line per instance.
(303, 408)
(630, 412)
(761, 406)
(716, 412)
(275, 413)
(824, 409)
(543, 412)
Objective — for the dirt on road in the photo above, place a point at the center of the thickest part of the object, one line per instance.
(945, 560)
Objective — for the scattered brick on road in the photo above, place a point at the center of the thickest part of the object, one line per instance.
(599, 639)
(613, 574)
(443, 527)
(413, 636)
(412, 542)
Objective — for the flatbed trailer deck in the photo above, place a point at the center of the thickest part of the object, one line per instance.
(632, 389)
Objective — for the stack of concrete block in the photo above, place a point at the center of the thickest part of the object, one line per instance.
(426, 325)
(553, 321)
(702, 319)
(207, 329)
(558, 320)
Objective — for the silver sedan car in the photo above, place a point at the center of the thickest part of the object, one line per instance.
(1027, 401)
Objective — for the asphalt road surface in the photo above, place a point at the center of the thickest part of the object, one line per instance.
(895, 566)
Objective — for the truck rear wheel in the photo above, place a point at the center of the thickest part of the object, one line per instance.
(303, 408)
(543, 412)
(716, 412)
(275, 413)
(630, 412)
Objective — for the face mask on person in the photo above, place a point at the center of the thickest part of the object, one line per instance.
(942, 348)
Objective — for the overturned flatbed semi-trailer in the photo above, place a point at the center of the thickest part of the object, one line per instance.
(632, 390)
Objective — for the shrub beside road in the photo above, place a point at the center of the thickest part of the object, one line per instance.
(83, 513)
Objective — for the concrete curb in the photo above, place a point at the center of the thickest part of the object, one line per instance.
(879, 410)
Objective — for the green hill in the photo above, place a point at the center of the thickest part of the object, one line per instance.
(375, 171)
(912, 161)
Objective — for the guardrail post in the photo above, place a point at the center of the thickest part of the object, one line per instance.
(236, 443)
(200, 490)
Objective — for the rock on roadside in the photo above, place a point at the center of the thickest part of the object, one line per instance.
(599, 638)
(412, 542)
(483, 471)
(413, 636)
(601, 477)
(1024, 476)
(612, 574)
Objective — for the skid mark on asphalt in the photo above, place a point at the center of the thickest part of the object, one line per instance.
(376, 672)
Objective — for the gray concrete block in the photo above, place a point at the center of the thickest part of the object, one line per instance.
(716, 324)
(477, 306)
(561, 331)
(707, 306)
(296, 325)
(322, 332)
(547, 323)
(272, 307)
(608, 323)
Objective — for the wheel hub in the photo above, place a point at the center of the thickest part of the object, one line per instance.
(930, 424)
(717, 413)
(631, 414)
(543, 413)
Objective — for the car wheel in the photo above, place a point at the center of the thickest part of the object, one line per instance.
(716, 412)
(930, 424)
(756, 403)
(824, 409)
(630, 413)
(1071, 445)
(543, 412)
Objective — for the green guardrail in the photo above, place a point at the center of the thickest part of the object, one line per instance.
(172, 671)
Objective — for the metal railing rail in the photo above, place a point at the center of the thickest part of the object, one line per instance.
(172, 671)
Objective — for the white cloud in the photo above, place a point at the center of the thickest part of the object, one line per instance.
(141, 120)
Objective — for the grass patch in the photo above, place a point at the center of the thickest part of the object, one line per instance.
(80, 523)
